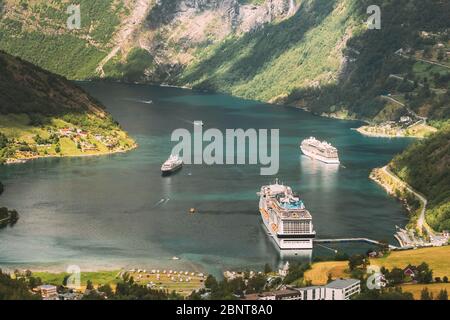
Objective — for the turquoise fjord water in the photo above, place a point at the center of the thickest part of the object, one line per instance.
(117, 210)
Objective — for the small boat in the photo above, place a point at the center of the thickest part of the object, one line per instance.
(175, 258)
(192, 210)
(172, 164)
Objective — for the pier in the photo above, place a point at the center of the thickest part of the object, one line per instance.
(349, 240)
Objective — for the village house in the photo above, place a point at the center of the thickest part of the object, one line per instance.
(283, 272)
(82, 133)
(66, 132)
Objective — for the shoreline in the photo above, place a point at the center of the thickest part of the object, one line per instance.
(26, 160)
(378, 175)
(105, 266)
(373, 131)
(363, 131)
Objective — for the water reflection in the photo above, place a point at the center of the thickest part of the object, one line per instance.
(320, 174)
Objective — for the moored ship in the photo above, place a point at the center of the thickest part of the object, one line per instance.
(286, 218)
(320, 150)
(174, 163)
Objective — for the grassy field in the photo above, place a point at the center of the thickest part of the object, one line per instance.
(112, 278)
(416, 289)
(318, 274)
(437, 258)
(97, 278)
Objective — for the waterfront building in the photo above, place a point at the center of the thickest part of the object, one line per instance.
(341, 289)
(48, 291)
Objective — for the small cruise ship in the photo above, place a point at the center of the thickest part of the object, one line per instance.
(172, 164)
(286, 218)
(322, 151)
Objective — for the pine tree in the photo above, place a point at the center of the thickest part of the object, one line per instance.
(443, 295)
(426, 294)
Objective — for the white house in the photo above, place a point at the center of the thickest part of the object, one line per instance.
(283, 272)
(342, 289)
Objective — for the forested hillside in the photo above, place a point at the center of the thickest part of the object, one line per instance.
(426, 166)
(43, 114)
(269, 63)
(37, 32)
(386, 62)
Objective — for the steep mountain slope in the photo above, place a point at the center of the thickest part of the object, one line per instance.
(25, 88)
(315, 54)
(37, 32)
(268, 63)
(42, 114)
(426, 166)
(377, 65)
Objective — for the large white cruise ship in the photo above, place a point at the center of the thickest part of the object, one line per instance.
(322, 151)
(286, 218)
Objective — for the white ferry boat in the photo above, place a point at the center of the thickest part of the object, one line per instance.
(172, 164)
(322, 151)
(286, 218)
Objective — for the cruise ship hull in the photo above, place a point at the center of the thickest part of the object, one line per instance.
(319, 157)
(171, 170)
(287, 244)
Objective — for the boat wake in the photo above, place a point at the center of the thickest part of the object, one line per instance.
(161, 202)
(139, 101)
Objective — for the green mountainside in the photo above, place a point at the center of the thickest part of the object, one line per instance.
(37, 32)
(426, 166)
(269, 63)
(42, 114)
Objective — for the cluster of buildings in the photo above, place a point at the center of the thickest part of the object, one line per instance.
(79, 136)
(73, 133)
(341, 289)
(408, 238)
(109, 142)
(155, 278)
(50, 292)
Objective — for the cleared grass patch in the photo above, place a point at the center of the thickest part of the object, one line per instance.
(97, 278)
(437, 258)
(434, 288)
(318, 274)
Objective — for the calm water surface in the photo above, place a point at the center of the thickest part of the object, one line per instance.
(118, 211)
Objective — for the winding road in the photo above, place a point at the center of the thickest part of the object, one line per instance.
(421, 222)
